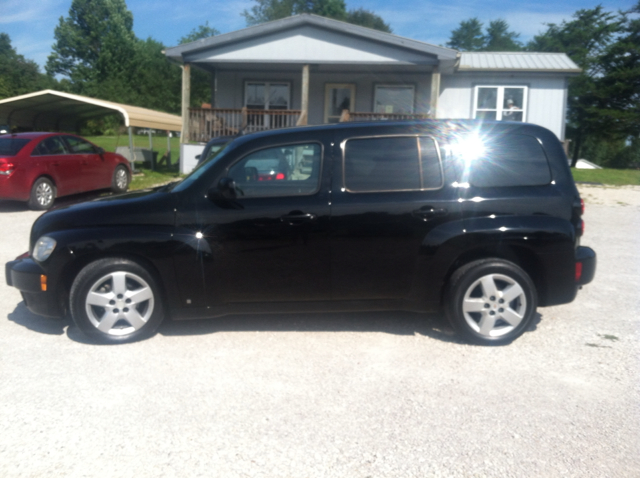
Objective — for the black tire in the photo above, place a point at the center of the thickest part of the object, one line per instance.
(120, 180)
(503, 294)
(116, 300)
(43, 193)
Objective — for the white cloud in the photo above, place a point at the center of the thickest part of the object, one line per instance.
(17, 11)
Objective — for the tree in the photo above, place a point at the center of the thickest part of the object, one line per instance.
(366, 18)
(18, 75)
(95, 48)
(269, 10)
(618, 82)
(202, 31)
(200, 80)
(468, 36)
(585, 39)
(499, 38)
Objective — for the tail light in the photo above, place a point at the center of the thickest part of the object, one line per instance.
(578, 210)
(6, 168)
(279, 176)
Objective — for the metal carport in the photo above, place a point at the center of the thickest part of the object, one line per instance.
(58, 111)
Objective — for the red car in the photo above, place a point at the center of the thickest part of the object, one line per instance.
(38, 167)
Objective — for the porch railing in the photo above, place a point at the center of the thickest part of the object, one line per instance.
(359, 116)
(207, 123)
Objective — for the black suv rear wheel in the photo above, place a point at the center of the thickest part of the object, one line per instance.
(490, 301)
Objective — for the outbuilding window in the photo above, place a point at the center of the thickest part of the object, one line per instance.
(501, 103)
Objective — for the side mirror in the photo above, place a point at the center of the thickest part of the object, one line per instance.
(100, 150)
(227, 188)
(198, 156)
(224, 194)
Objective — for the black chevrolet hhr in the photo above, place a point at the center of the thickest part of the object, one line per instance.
(482, 220)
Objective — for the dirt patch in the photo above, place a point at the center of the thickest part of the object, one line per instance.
(621, 196)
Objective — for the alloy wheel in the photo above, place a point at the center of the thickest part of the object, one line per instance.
(494, 305)
(119, 303)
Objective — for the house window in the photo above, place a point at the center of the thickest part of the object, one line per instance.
(501, 103)
(267, 96)
(394, 99)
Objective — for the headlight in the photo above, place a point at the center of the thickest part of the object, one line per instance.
(43, 248)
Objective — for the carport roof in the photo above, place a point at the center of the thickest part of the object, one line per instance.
(49, 109)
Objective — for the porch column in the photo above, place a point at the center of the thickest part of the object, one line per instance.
(186, 101)
(304, 106)
(435, 92)
(214, 89)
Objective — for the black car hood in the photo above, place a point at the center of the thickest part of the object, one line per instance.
(146, 207)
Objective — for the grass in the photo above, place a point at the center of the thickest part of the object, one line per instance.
(109, 143)
(145, 178)
(612, 177)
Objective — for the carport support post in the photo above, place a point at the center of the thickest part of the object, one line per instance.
(131, 156)
(153, 165)
(186, 101)
(169, 148)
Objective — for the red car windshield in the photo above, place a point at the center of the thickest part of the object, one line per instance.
(11, 146)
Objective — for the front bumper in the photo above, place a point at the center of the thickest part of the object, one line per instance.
(587, 258)
(25, 275)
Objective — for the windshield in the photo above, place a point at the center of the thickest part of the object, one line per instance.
(199, 169)
(10, 146)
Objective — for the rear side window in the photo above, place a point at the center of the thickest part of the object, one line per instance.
(404, 163)
(48, 146)
(11, 146)
(510, 160)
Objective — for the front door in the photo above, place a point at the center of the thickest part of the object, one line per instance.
(337, 98)
(269, 244)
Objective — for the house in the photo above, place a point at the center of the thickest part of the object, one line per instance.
(308, 69)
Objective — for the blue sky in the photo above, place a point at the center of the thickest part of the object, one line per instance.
(31, 24)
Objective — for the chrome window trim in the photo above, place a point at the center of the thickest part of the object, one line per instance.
(417, 137)
(280, 145)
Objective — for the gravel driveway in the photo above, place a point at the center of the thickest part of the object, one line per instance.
(340, 395)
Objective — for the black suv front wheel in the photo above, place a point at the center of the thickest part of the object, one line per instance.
(116, 300)
(490, 301)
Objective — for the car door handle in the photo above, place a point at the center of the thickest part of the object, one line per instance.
(428, 212)
(297, 217)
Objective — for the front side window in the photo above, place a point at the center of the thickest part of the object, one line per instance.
(267, 96)
(79, 146)
(500, 103)
(394, 99)
(290, 170)
(395, 163)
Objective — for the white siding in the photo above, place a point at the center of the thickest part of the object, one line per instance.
(546, 101)
(312, 45)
